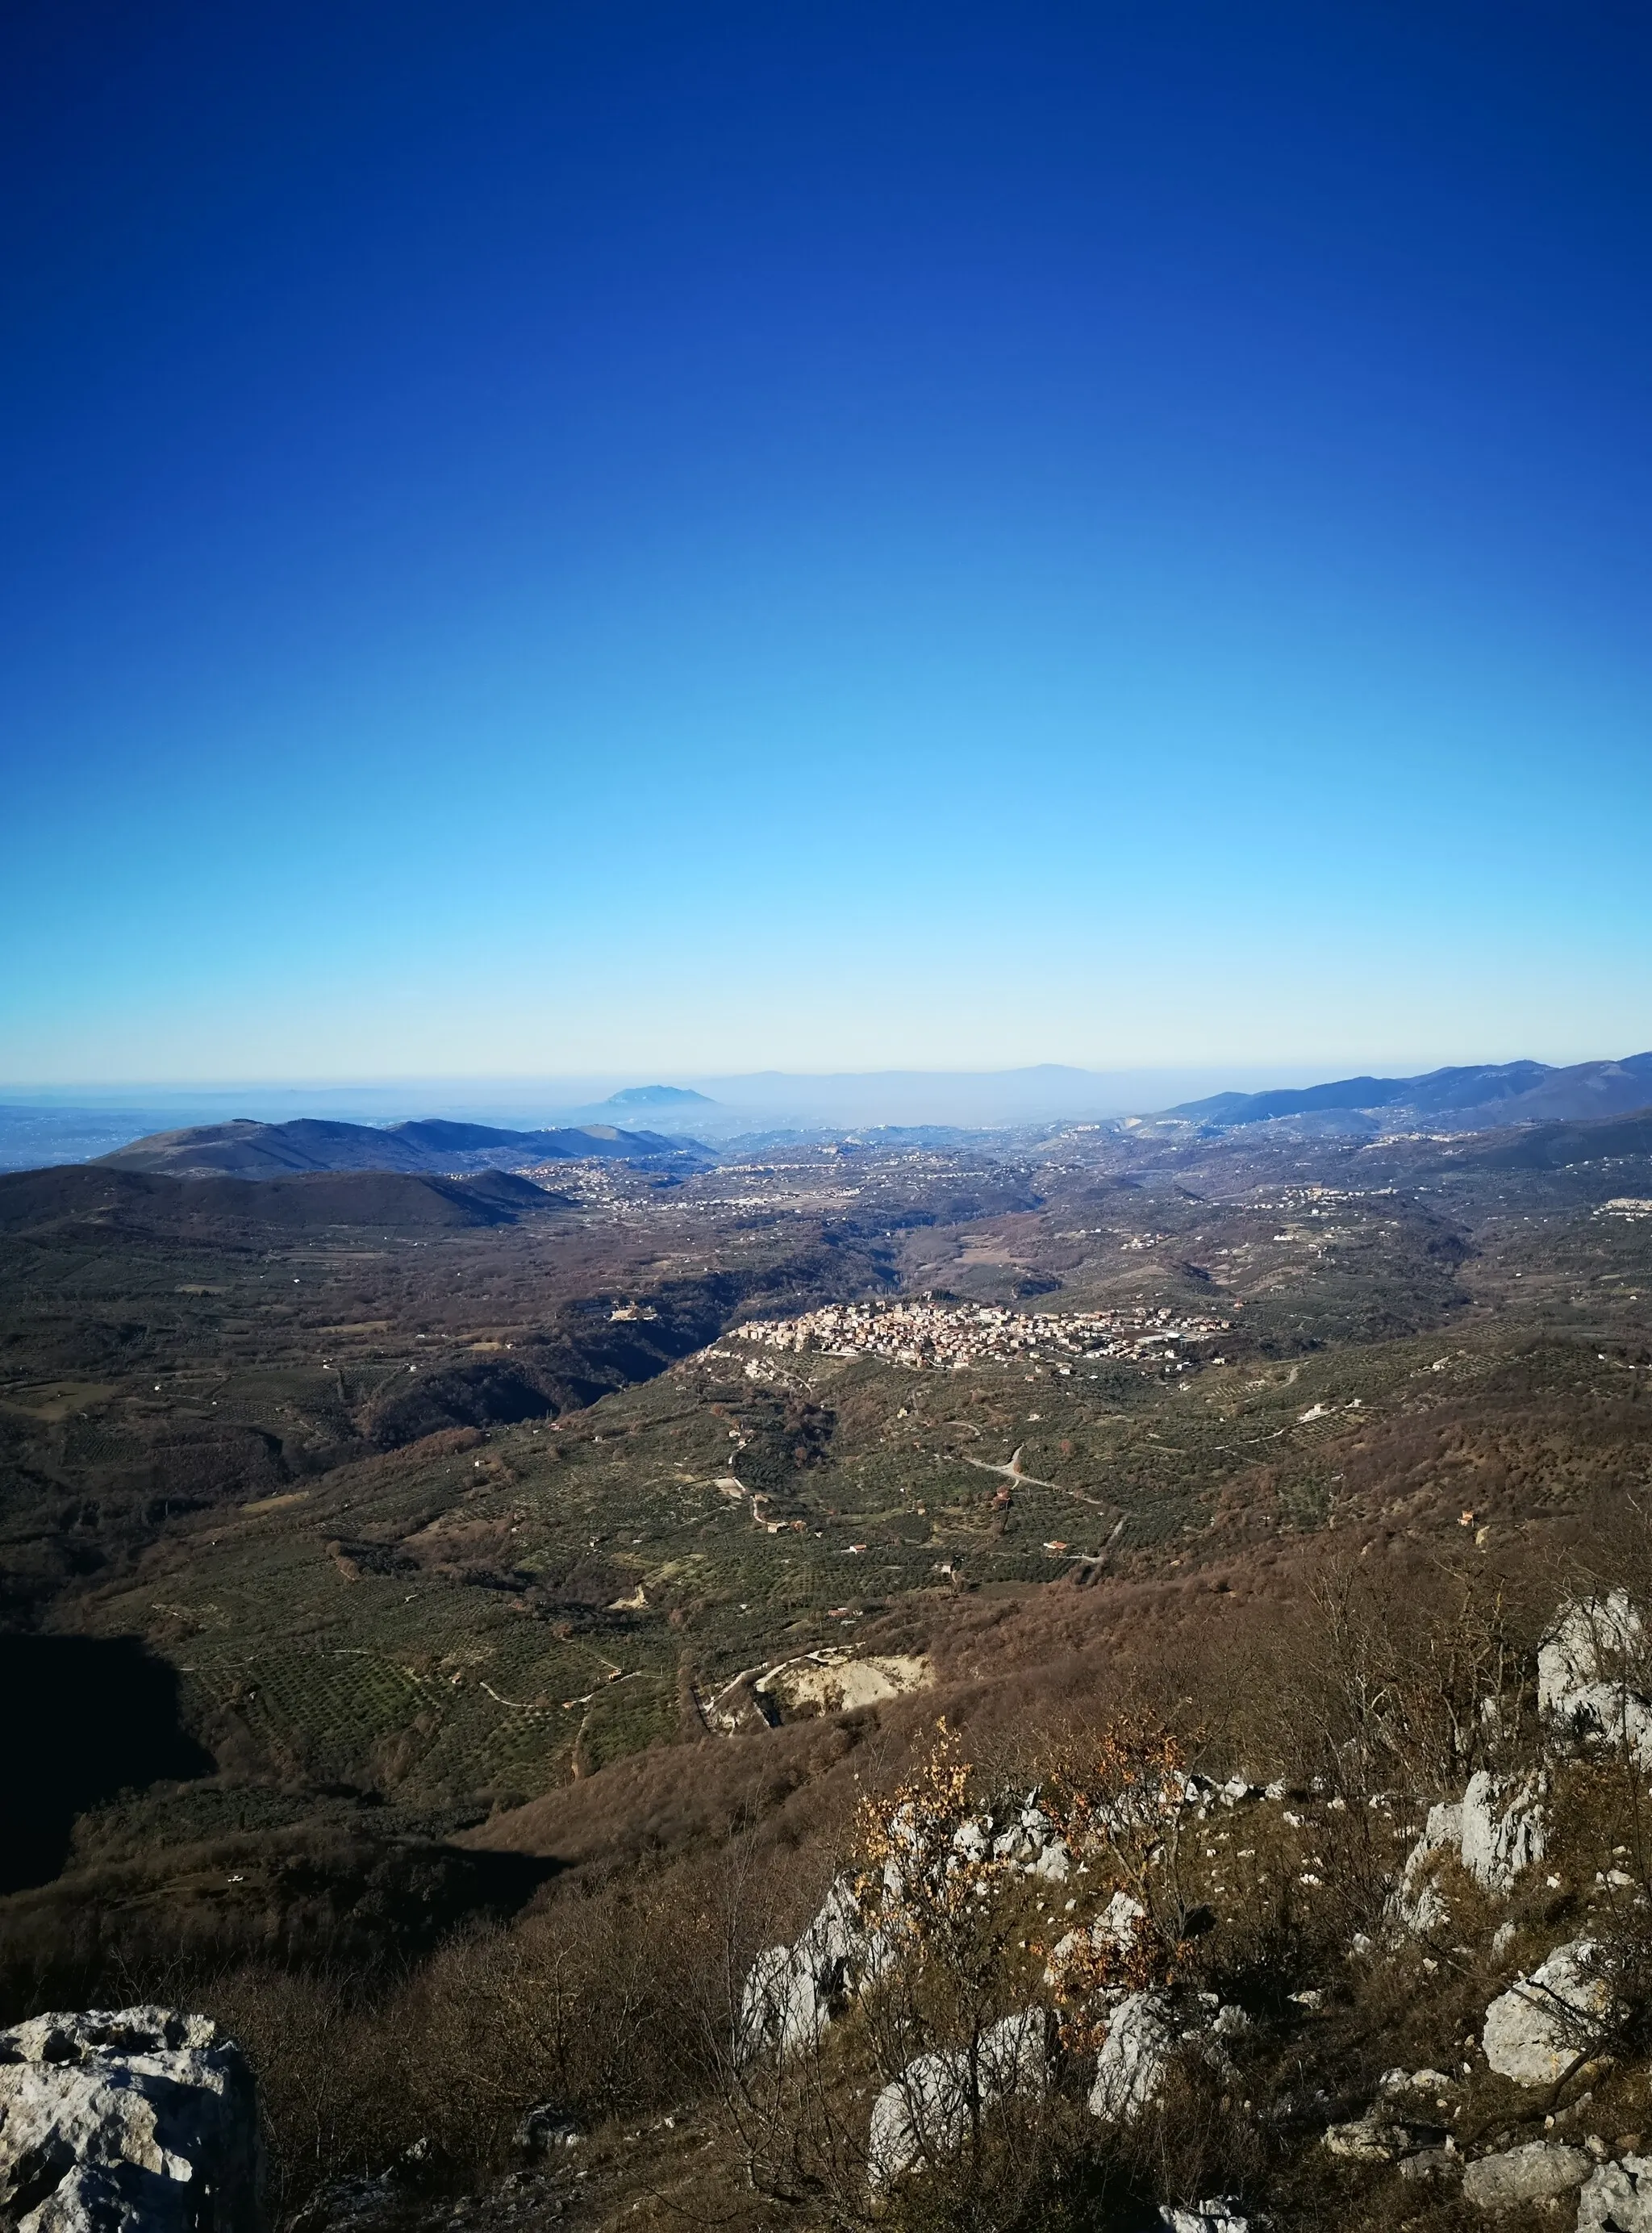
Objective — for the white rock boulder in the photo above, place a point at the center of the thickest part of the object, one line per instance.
(1371, 2138)
(1221, 2214)
(1140, 2040)
(924, 2117)
(1031, 1844)
(1145, 2032)
(1498, 1828)
(1536, 2030)
(1113, 1930)
(126, 2120)
(1537, 2172)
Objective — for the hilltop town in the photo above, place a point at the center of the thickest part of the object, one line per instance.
(942, 1337)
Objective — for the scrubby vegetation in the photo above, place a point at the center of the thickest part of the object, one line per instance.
(1233, 1832)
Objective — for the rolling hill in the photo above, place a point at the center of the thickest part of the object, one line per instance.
(293, 1202)
(1562, 1146)
(246, 1149)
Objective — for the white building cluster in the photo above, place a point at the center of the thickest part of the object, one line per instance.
(952, 1336)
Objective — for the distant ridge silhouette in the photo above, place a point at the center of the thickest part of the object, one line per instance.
(1471, 1098)
(246, 1149)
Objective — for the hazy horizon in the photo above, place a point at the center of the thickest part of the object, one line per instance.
(760, 1092)
(983, 1099)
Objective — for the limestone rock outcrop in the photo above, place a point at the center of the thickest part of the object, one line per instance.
(1590, 1667)
(1113, 1930)
(1417, 1902)
(1370, 2139)
(1504, 1828)
(126, 2120)
(792, 1992)
(1145, 2031)
(1618, 2198)
(1498, 1829)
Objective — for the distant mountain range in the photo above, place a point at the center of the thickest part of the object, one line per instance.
(1477, 1098)
(246, 1149)
(648, 1122)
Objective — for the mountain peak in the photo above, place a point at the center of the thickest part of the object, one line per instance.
(657, 1096)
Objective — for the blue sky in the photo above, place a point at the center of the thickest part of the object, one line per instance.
(659, 540)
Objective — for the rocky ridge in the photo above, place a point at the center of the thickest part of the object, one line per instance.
(1562, 2015)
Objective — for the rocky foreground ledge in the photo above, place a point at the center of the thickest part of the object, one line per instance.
(126, 2120)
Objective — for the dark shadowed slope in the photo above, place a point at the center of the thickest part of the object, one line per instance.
(1556, 1147)
(88, 1716)
(309, 1201)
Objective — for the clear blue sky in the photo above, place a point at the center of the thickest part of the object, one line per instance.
(664, 539)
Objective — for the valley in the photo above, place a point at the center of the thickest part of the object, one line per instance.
(464, 1498)
(477, 1550)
